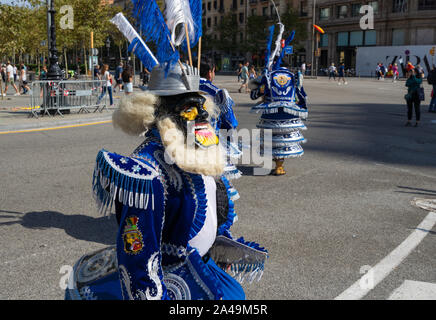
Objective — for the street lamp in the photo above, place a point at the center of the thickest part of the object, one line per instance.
(54, 71)
(313, 37)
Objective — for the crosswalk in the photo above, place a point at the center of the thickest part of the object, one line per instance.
(414, 290)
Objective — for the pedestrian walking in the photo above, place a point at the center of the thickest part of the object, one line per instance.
(118, 77)
(23, 78)
(145, 76)
(303, 68)
(341, 74)
(15, 73)
(107, 85)
(238, 71)
(431, 79)
(332, 71)
(244, 77)
(97, 72)
(395, 73)
(382, 71)
(10, 79)
(127, 78)
(252, 73)
(413, 84)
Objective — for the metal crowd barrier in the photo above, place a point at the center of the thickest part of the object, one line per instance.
(52, 97)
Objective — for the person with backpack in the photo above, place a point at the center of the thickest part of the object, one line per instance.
(413, 84)
(431, 79)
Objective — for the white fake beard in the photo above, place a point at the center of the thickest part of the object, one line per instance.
(209, 161)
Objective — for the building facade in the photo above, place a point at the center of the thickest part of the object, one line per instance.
(395, 23)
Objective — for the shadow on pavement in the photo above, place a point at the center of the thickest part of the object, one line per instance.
(81, 227)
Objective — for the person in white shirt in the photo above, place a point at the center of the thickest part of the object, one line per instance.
(303, 68)
(332, 71)
(10, 79)
(23, 78)
(15, 73)
(107, 85)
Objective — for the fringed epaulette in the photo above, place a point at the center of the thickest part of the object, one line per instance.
(244, 260)
(126, 179)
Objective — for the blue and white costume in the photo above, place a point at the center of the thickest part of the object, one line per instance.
(283, 107)
(174, 217)
(283, 104)
(174, 233)
(226, 120)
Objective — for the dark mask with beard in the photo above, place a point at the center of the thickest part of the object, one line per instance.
(189, 113)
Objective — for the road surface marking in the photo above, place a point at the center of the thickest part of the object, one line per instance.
(382, 269)
(414, 290)
(56, 128)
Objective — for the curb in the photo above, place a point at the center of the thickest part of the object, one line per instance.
(51, 124)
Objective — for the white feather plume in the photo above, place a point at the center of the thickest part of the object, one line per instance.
(129, 32)
(178, 12)
(277, 45)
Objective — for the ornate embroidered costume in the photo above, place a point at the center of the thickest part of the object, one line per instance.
(283, 106)
(226, 120)
(173, 204)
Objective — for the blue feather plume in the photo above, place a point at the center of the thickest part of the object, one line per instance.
(137, 47)
(151, 21)
(269, 43)
(196, 12)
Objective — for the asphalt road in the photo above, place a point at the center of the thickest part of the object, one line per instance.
(341, 207)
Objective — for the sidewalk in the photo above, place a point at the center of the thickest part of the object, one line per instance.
(15, 114)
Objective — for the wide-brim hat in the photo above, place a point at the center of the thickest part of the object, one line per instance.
(175, 81)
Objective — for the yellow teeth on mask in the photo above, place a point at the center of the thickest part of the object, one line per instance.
(207, 141)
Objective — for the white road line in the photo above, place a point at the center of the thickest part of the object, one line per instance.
(414, 290)
(382, 269)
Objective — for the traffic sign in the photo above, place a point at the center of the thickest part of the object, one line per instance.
(94, 51)
(288, 50)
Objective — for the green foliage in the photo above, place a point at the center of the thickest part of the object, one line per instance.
(27, 25)
(228, 29)
(292, 21)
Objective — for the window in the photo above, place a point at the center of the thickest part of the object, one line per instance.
(355, 9)
(272, 11)
(399, 6)
(253, 12)
(208, 22)
(241, 17)
(303, 8)
(235, 4)
(241, 37)
(209, 6)
(356, 38)
(324, 41)
(342, 39)
(374, 5)
(398, 37)
(324, 13)
(241, 3)
(215, 21)
(370, 38)
(426, 4)
(265, 11)
(341, 12)
(215, 4)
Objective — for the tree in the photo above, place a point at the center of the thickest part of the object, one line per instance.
(292, 21)
(228, 29)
